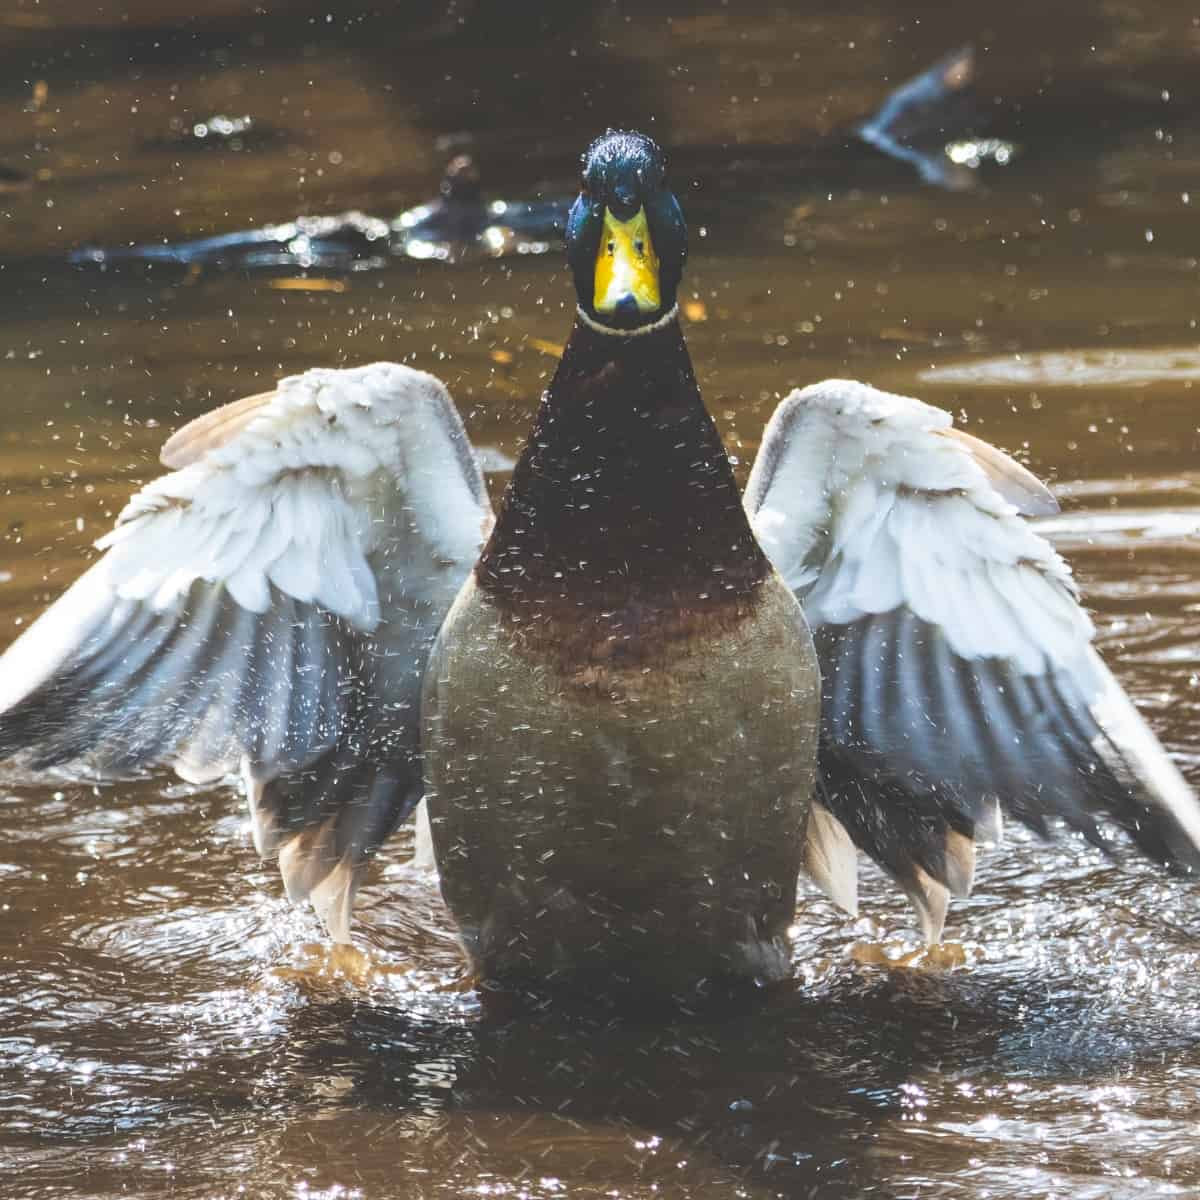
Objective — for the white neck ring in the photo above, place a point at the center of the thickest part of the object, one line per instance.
(592, 323)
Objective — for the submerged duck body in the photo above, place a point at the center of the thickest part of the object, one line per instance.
(457, 224)
(646, 689)
(630, 744)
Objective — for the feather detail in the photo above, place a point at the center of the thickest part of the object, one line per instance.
(269, 605)
(830, 859)
(958, 673)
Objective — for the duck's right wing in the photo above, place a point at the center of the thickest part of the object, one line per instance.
(957, 668)
(269, 606)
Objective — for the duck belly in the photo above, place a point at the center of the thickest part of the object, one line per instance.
(622, 826)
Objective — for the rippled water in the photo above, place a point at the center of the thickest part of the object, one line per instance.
(169, 1027)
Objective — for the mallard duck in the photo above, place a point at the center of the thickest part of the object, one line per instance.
(630, 742)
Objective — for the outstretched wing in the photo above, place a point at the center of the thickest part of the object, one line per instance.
(958, 672)
(269, 607)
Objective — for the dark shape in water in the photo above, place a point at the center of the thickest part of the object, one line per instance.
(457, 224)
(460, 222)
(345, 241)
(13, 180)
(913, 125)
(920, 120)
(217, 132)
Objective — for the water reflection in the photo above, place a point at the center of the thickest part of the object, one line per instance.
(1082, 529)
(1101, 367)
(165, 1039)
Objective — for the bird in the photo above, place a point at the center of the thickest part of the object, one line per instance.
(636, 703)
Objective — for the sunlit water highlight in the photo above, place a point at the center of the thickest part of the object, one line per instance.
(1074, 368)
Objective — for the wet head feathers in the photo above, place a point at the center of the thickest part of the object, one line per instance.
(626, 211)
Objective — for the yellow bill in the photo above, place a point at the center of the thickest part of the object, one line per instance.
(626, 265)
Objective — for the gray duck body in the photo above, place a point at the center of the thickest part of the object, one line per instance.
(629, 827)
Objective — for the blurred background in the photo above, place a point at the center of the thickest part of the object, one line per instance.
(1014, 240)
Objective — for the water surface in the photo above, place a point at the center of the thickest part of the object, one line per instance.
(168, 1025)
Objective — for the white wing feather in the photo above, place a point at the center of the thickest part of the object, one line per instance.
(868, 509)
(957, 663)
(269, 605)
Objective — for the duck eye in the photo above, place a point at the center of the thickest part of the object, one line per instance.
(612, 247)
(639, 246)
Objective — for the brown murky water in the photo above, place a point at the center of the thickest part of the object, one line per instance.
(166, 1027)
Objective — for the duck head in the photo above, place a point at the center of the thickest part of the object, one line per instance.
(626, 238)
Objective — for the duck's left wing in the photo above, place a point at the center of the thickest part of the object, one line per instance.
(958, 672)
(269, 607)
